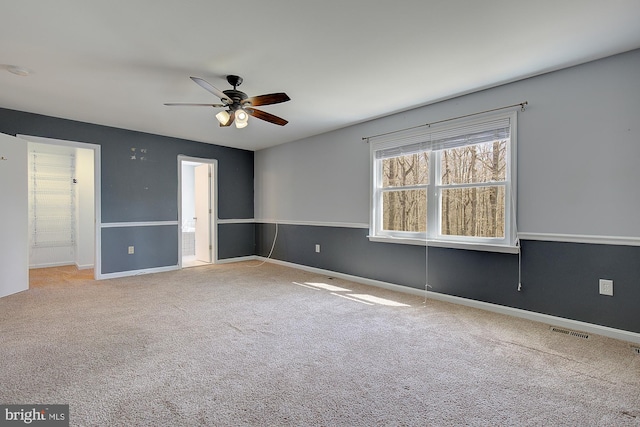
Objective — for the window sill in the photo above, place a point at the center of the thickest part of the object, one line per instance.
(446, 244)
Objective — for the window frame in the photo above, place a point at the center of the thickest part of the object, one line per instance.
(434, 188)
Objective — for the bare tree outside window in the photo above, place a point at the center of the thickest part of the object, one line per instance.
(404, 207)
(468, 208)
(474, 210)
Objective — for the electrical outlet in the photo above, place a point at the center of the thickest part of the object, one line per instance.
(606, 287)
(317, 248)
(130, 250)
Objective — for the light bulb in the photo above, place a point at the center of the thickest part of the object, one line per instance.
(242, 118)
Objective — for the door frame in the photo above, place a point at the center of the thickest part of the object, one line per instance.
(97, 261)
(213, 201)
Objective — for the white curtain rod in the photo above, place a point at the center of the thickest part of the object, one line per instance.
(521, 104)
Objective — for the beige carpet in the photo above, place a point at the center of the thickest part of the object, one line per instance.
(238, 345)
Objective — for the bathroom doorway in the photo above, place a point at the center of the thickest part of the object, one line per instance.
(197, 211)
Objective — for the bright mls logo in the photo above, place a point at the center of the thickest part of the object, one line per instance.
(35, 415)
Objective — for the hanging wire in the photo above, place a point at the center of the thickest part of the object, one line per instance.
(519, 258)
(426, 283)
(273, 245)
(426, 243)
(514, 221)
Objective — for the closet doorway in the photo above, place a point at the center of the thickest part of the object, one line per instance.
(197, 211)
(63, 193)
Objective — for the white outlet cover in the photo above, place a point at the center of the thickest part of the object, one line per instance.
(606, 287)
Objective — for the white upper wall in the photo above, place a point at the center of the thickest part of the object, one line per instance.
(578, 155)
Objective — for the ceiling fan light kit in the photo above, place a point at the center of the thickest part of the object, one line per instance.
(239, 106)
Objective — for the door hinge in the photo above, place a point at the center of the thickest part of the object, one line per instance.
(210, 247)
(209, 210)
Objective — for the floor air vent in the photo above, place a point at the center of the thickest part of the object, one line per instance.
(570, 332)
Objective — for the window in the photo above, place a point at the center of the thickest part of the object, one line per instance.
(452, 183)
(403, 192)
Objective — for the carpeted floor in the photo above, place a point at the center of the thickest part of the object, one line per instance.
(234, 344)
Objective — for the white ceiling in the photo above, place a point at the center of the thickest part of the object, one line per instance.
(341, 61)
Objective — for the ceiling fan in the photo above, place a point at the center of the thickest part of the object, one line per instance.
(238, 106)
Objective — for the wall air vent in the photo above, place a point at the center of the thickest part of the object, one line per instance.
(570, 332)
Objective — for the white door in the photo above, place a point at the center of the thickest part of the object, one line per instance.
(202, 192)
(14, 216)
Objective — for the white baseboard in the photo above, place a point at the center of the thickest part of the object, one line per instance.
(618, 334)
(577, 325)
(168, 268)
(136, 272)
(238, 259)
(61, 264)
(50, 264)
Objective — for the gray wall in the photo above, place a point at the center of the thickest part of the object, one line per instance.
(146, 190)
(578, 156)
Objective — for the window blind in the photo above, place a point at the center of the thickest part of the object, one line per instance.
(470, 135)
(411, 141)
(402, 150)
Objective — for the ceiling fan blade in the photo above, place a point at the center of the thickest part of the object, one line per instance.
(209, 87)
(268, 99)
(173, 104)
(263, 115)
(232, 116)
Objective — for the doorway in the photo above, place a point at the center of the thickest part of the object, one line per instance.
(197, 211)
(63, 204)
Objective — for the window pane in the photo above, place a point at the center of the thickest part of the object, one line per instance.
(473, 212)
(404, 210)
(412, 169)
(474, 163)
